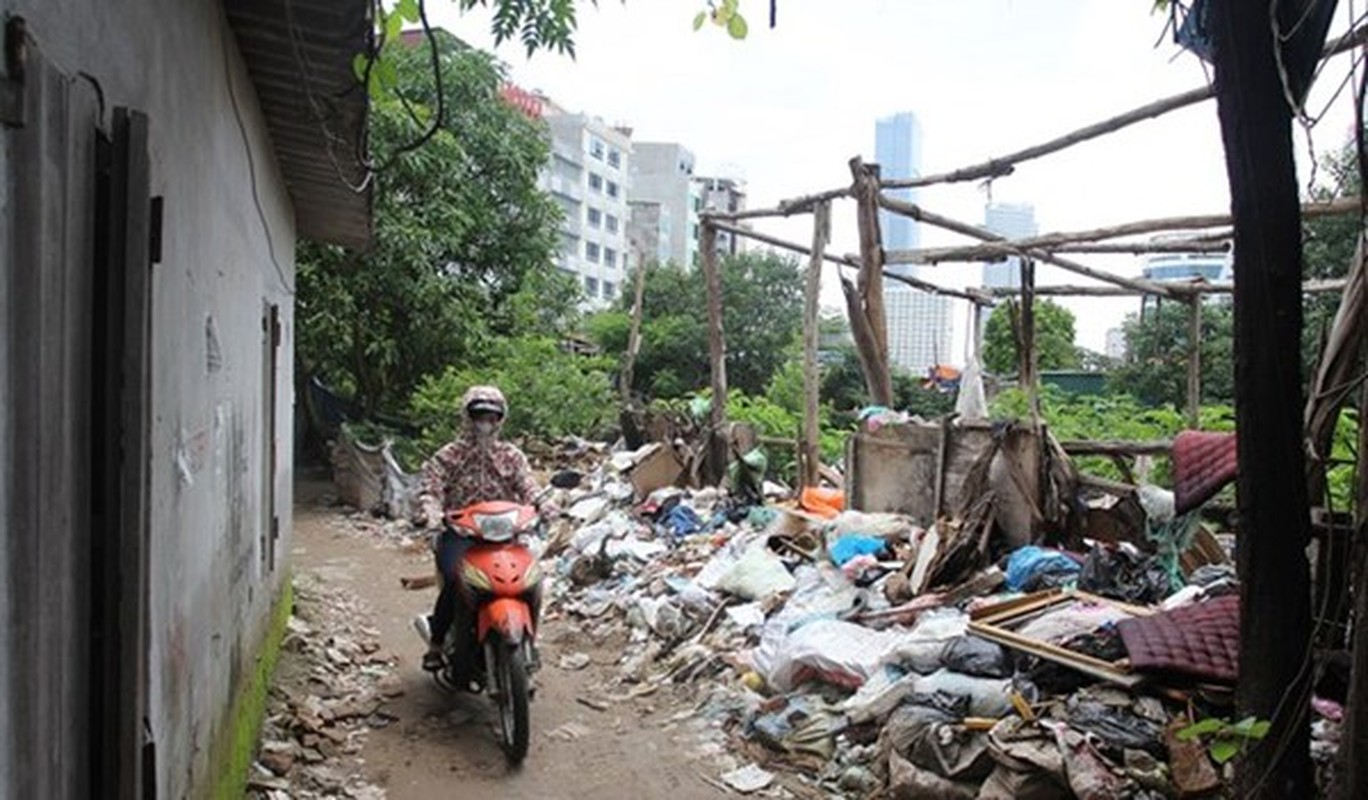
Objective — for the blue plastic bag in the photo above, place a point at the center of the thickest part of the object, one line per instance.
(1030, 568)
(855, 544)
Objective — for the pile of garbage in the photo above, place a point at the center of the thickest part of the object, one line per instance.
(842, 652)
(331, 689)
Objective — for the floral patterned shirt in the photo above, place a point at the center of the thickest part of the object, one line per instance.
(466, 471)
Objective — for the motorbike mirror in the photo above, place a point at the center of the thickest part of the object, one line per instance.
(567, 479)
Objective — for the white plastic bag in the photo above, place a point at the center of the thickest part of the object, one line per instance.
(828, 650)
(758, 574)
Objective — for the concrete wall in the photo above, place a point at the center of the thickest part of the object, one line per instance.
(211, 588)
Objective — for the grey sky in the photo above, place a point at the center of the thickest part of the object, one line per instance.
(788, 107)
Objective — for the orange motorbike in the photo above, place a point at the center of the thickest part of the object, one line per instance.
(499, 581)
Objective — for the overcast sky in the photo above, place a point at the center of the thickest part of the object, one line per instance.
(787, 108)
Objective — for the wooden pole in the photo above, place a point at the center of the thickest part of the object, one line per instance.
(870, 280)
(1194, 365)
(716, 462)
(633, 335)
(1029, 379)
(812, 453)
(1275, 592)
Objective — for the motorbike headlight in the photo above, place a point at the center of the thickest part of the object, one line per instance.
(474, 577)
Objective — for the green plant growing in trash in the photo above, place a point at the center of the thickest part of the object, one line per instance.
(1225, 740)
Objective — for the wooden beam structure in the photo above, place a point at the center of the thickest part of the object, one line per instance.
(1005, 165)
(812, 289)
(983, 234)
(869, 308)
(717, 354)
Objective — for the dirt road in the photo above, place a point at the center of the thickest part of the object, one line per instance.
(437, 744)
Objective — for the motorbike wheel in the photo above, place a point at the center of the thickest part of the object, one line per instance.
(510, 680)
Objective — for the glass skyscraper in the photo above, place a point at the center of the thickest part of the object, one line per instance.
(919, 326)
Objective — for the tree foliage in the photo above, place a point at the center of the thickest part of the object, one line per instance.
(1154, 368)
(761, 318)
(1328, 245)
(1054, 339)
(463, 243)
(551, 393)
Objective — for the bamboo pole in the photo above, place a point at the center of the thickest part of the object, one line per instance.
(1194, 365)
(1005, 165)
(1318, 286)
(783, 244)
(999, 246)
(717, 354)
(812, 456)
(870, 278)
(983, 234)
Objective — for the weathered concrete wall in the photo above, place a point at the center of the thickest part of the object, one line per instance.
(227, 253)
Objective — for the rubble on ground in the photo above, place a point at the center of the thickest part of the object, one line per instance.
(331, 687)
(827, 651)
(938, 650)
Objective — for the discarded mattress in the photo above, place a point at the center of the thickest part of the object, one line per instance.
(1203, 463)
(1200, 640)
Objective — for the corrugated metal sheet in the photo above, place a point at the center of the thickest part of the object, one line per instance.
(299, 54)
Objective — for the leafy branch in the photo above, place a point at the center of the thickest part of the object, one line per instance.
(1225, 740)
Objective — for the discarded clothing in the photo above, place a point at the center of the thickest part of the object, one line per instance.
(681, 520)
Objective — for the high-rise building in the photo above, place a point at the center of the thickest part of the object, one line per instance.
(727, 195)
(1162, 267)
(1014, 221)
(589, 175)
(919, 325)
(663, 188)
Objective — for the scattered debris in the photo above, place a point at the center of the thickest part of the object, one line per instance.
(331, 688)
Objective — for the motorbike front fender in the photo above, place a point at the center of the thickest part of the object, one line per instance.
(510, 616)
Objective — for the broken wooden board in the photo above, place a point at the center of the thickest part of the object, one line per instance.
(996, 622)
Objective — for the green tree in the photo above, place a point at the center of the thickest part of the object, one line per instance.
(761, 317)
(1328, 245)
(1154, 368)
(1054, 339)
(463, 243)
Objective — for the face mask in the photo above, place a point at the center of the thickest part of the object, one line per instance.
(484, 429)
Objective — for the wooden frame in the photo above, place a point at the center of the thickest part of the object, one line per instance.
(991, 623)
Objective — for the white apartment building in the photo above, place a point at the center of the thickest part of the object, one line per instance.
(667, 201)
(590, 176)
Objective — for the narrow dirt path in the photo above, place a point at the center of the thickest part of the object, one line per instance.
(444, 745)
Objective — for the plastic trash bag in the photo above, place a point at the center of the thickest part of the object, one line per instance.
(1031, 568)
(988, 697)
(1122, 574)
(852, 545)
(974, 656)
(827, 650)
(758, 574)
(798, 723)
(1118, 727)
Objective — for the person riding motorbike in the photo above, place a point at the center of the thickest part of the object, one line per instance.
(475, 467)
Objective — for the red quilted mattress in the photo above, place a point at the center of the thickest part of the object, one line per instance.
(1201, 640)
(1203, 463)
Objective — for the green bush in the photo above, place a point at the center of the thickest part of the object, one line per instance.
(551, 393)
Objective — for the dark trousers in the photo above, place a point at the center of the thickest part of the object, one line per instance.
(450, 605)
